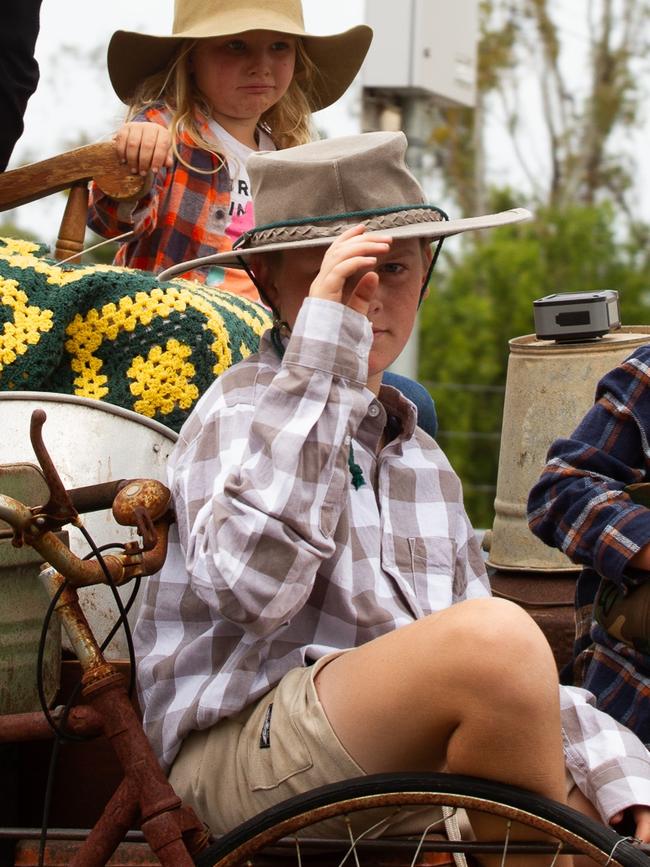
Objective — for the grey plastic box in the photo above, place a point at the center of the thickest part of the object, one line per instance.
(576, 315)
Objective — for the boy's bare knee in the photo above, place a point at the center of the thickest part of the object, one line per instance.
(509, 620)
(500, 651)
(496, 623)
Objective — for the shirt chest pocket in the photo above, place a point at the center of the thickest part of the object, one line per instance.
(427, 563)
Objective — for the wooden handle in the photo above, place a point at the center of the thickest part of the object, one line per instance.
(95, 161)
(72, 231)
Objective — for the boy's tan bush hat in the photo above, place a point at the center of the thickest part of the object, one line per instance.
(134, 56)
(307, 195)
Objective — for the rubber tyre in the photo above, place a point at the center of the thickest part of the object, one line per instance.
(573, 828)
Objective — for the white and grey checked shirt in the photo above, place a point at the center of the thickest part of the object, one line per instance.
(276, 559)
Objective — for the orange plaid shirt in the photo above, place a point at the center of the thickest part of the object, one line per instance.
(183, 216)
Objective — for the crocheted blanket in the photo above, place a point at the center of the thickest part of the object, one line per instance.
(116, 334)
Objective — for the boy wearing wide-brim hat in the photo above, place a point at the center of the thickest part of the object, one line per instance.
(324, 611)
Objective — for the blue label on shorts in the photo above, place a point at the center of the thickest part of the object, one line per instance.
(265, 736)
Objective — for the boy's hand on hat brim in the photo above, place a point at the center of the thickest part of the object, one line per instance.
(352, 252)
(145, 146)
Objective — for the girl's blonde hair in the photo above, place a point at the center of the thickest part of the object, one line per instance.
(288, 122)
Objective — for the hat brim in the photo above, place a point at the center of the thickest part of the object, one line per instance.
(433, 230)
(132, 57)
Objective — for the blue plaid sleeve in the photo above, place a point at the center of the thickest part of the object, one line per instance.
(579, 504)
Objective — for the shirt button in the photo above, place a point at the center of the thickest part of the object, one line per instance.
(373, 411)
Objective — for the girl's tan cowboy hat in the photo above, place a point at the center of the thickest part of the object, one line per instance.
(305, 196)
(134, 56)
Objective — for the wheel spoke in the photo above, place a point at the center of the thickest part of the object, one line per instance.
(353, 847)
(426, 832)
(355, 842)
(557, 854)
(505, 844)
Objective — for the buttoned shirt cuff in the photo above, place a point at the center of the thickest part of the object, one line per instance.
(331, 338)
(616, 789)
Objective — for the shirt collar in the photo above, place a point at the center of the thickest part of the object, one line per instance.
(401, 408)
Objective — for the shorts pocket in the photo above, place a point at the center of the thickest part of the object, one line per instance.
(276, 747)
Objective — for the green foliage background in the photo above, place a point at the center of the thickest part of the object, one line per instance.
(103, 254)
(482, 296)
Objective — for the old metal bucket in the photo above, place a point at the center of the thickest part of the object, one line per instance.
(549, 387)
(23, 606)
(90, 442)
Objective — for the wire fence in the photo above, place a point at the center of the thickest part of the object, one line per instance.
(473, 453)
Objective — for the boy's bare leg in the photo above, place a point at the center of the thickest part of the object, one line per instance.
(471, 690)
(581, 803)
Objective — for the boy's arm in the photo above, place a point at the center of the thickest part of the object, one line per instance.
(256, 532)
(578, 504)
(109, 218)
(608, 763)
(259, 491)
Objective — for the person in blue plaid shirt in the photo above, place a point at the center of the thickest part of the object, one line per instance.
(583, 504)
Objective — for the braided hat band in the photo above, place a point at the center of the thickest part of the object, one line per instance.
(362, 178)
(317, 228)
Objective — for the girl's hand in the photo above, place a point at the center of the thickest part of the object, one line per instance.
(349, 253)
(641, 820)
(144, 146)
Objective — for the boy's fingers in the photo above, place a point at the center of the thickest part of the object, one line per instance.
(331, 280)
(363, 293)
(642, 819)
(133, 156)
(353, 239)
(357, 248)
(358, 229)
(352, 251)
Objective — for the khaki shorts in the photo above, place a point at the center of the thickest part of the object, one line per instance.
(281, 746)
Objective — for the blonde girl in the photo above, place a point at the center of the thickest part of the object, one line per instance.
(232, 79)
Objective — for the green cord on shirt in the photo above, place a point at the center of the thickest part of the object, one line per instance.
(355, 470)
